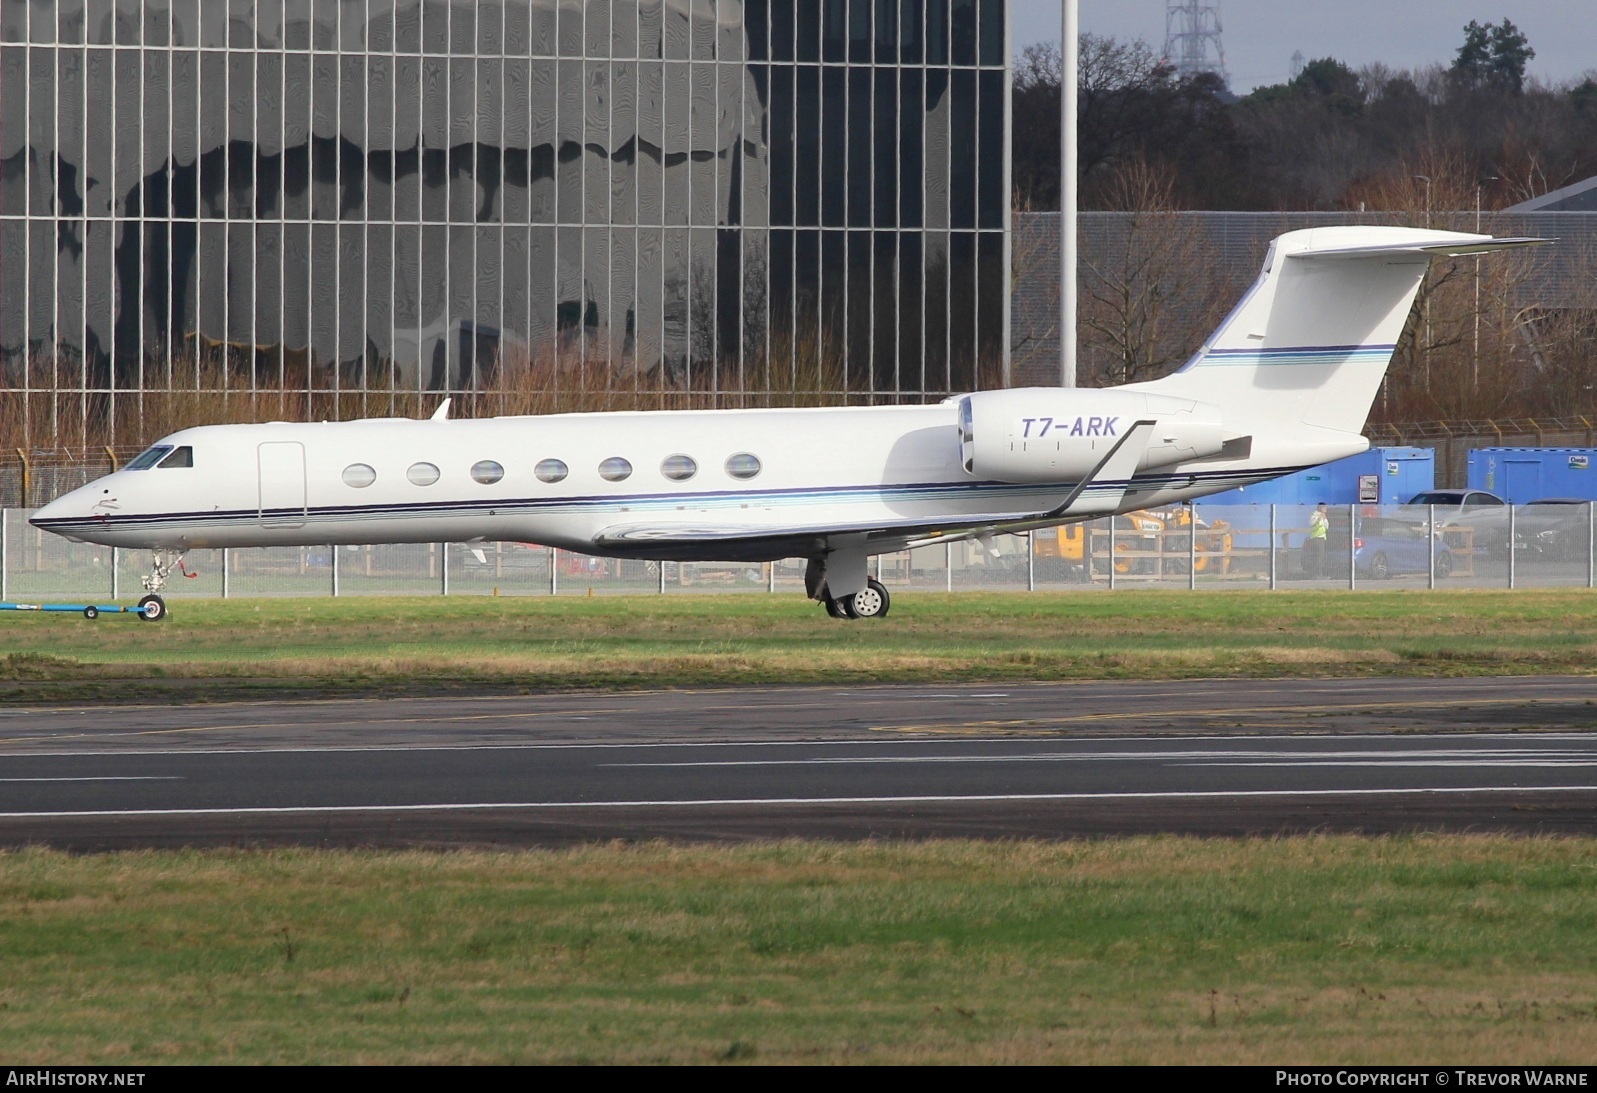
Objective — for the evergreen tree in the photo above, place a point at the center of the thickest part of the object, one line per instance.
(1493, 56)
(1511, 52)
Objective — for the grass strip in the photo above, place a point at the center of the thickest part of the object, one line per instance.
(239, 648)
(1151, 950)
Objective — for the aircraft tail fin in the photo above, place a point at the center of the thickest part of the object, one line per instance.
(1310, 342)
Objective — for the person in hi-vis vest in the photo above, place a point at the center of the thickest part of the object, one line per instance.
(1314, 545)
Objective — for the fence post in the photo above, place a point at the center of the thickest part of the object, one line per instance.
(1272, 547)
(1430, 536)
(1352, 563)
(116, 574)
(770, 575)
(332, 555)
(1591, 555)
(1031, 562)
(554, 570)
(5, 537)
(443, 569)
(662, 576)
(948, 564)
(1192, 547)
(1511, 550)
(226, 561)
(1111, 555)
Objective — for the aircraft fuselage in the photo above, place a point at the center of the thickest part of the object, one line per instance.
(405, 481)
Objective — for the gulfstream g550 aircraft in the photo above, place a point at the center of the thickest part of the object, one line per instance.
(1283, 384)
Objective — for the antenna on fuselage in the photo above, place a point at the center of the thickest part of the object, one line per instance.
(442, 413)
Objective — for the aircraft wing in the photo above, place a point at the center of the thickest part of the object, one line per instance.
(765, 542)
(1098, 494)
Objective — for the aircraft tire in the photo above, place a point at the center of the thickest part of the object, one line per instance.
(834, 608)
(872, 603)
(152, 609)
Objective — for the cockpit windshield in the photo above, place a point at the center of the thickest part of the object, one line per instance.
(149, 457)
(181, 457)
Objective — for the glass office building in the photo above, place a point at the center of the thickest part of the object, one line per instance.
(593, 200)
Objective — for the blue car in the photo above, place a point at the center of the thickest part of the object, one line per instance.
(1384, 547)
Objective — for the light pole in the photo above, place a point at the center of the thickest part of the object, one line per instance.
(1427, 180)
(1069, 46)
(1427, 346)
(1475, 357)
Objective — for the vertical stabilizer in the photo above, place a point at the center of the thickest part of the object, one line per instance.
(1310, 342)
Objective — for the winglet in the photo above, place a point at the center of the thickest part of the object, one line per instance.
(442, 413)
(1110, 477)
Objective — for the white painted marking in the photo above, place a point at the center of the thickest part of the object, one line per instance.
(743, 801)
(106, 778)
(1485, 762)
(962, 694)
(1193, 757)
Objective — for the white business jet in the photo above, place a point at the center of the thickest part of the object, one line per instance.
(1284, 383)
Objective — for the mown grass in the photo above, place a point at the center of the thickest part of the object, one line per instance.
(216, 648)
(1319, 949)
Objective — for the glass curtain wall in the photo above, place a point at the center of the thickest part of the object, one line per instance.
(213, 209)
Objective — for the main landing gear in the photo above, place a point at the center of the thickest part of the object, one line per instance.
(846, 568)
(871, 602)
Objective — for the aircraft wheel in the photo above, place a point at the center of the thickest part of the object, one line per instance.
(872, 602)
(91, 612)
(152, 609)
(834, 608)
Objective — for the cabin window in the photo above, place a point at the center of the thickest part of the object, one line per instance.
(149, 457)
(180, 457)
(422, 474)
(487, 472)
(679, 468)
(615, 469)
(359, 476)
(551, 470)
(744, 465)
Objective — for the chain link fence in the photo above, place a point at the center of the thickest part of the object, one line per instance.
(1197, 547)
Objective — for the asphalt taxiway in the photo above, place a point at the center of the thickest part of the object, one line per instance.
(1211, 757)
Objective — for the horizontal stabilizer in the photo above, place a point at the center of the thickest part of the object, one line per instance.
(1478, 244)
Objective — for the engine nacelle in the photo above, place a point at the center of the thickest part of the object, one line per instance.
(1059, 434)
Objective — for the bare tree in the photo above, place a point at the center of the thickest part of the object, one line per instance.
(1146, 296)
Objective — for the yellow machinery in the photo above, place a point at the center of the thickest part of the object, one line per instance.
(1149, 543)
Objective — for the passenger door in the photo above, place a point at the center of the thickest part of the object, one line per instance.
(282, 484)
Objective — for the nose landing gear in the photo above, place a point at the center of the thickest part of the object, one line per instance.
(152, 608)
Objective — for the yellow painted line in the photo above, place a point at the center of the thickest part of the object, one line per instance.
(1351, 709)
(527, 714)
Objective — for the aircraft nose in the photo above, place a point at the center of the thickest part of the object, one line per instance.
(64, 515)
(58, 509)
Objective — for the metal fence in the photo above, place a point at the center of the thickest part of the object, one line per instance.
(1197, 547)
